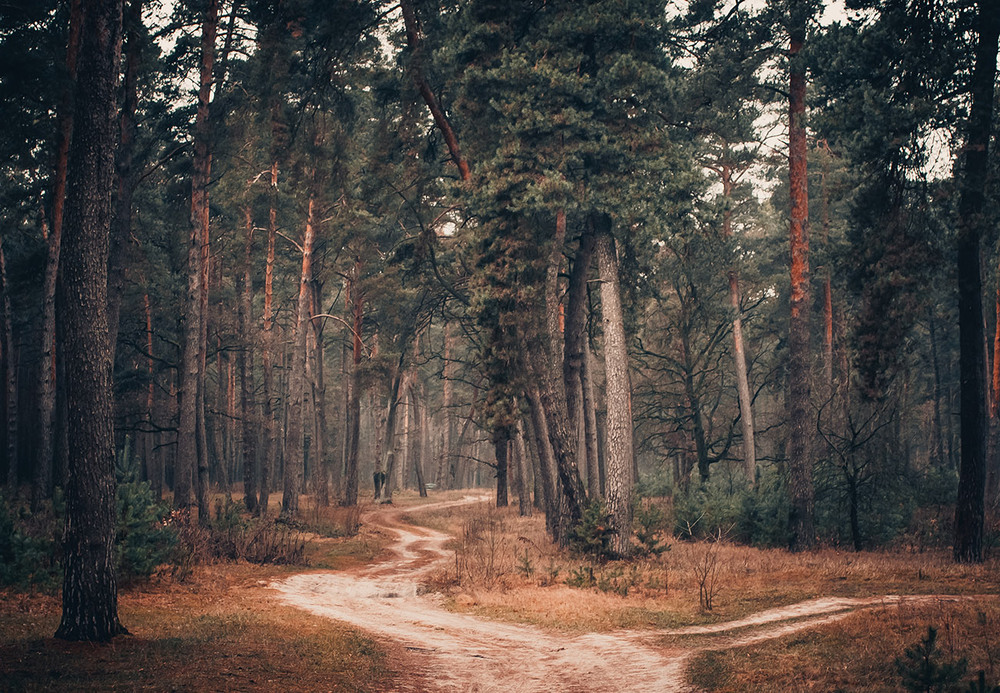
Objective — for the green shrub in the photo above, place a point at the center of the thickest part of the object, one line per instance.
(29, 548)
(650, 527)
(921, 667)
(592, 537)
(144, 539)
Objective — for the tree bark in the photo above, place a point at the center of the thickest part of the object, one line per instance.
(244, 359)
(739, 349)
(392, 412)
(154, 471)
(575, 358)
(594, 466)
(356, 304)
(322, 456)
(47, 375)
(521, 471)
(972, 225)
(419, 416)
(90, 594)
(501, 448)
(446, 476)
(546, 465)
(121, 228)
(268, 456)
(620, 458)
(294, 463)
(189, 453)
(9, 377)
(801, 531)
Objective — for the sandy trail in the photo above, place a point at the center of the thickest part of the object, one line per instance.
(460, 652)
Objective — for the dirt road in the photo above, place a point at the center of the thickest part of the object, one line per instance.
(460, 652)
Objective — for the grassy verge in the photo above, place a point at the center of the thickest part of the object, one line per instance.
(857, 653)
(505, 568)
(206, 627)
(219, 630)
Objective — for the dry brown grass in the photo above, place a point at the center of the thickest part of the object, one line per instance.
(858, 652)
(213, 627)
(531, 580)
(220, 630)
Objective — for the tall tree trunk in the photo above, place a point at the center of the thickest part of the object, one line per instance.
(694, 407)
(389, 434)
(294, 463)
(420, 438)
(221, 428)
(153, 471)
(446, 476)
(244, 358)
(121, 228)
(47, 375)
(972, 225)
(546, 463)
(559, 436)
(189, 452)
(939, 434)
(620, 464)
(739, 349)
(575, 357)
(268, 457)
(594, 466)
(800, 486)
(322, 455)
(501, 448)
(90, 594)
(554, 340)
(9, 377)
(521, 471)
(356, 303)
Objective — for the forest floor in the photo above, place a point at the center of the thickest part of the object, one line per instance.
(482, 637)
(447, 593)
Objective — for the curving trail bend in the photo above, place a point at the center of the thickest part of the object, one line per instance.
(461, 652)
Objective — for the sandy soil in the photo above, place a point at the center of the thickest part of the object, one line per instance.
(460, 652)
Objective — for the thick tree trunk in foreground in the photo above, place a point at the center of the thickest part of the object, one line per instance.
(620, 480)
(800, 486)
(90, 594)
(972, 225)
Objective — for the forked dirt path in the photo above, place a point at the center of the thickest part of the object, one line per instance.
(461, 652)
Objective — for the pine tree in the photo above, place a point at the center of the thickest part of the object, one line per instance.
(90, 598)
